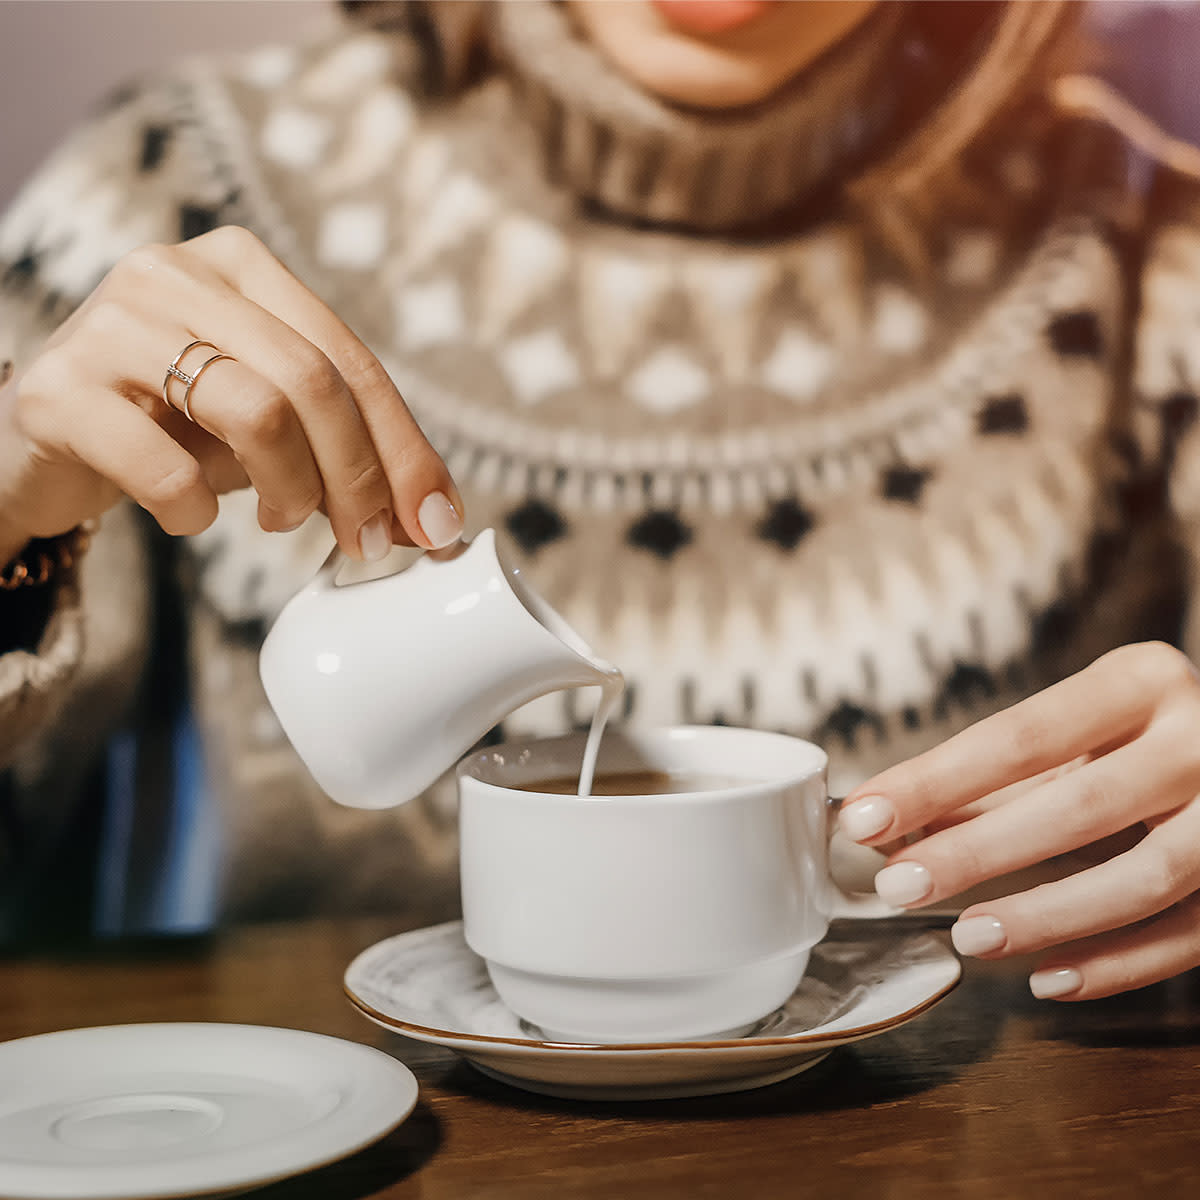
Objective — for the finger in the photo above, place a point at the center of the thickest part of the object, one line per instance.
(257, 421)
(229, 402)
(425, 498)
(120, 442)
(1106, 703)
(223, 472)
(356, 496)
(1158, 872)
(354, 486)
(1006, 795)
(1156, 949)
(220, 466)
(1132, 783)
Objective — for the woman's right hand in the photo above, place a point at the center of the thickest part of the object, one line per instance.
(302, 412)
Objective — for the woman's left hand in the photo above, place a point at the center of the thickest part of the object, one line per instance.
(1113, 748)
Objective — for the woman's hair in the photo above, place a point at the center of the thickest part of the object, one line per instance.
(995, 58)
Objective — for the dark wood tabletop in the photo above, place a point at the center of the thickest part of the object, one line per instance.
(990, 1094)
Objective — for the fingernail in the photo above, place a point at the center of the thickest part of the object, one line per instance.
(903, 883)
(439, 520)
(375, 538)
(865, 818)
(1049, 985)
(978, 935)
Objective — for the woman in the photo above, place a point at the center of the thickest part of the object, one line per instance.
(828, 365)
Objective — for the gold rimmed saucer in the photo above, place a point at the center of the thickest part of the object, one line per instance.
(428, 985)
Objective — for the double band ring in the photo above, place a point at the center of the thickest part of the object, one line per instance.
(174, 371)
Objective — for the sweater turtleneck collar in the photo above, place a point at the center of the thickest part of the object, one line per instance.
(643, 159)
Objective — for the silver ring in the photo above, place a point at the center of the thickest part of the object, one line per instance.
(189, 381)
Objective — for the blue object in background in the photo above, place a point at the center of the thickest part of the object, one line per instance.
(160, 876)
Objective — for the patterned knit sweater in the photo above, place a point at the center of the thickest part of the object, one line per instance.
(781, 480)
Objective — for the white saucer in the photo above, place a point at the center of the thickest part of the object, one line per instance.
(428, 985)
(140, 1111)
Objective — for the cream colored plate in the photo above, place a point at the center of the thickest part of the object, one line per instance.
(428, 985)
(141, 1111)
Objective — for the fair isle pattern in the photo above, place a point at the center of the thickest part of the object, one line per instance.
(641, 411)
(777, 483)
(618, 353)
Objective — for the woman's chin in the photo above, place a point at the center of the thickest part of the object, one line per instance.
(743, 66)
(693, 75)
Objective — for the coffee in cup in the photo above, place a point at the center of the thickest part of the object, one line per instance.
(634, 783)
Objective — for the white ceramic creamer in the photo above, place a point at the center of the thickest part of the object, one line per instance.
(383, 685)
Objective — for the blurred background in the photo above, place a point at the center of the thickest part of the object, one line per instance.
(58, 57)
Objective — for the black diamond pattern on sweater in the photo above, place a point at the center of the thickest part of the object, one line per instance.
(846, 722)
(535, 524)
(966, 685)
(1004, 414)
(21, 270)
(1077, 334)
(904, 483)
(1178, 416)
(195, 219)
(786, 524)
(1055, 625)
(155, 139)
(969, 681)
(661, 532)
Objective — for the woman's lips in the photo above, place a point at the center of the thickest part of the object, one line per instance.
(708, 17)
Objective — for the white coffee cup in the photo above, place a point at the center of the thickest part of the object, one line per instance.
(649, 918)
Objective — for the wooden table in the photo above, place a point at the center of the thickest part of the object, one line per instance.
(991, 1094)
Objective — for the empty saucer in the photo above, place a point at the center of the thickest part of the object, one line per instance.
(140, 1111)
(430, 986)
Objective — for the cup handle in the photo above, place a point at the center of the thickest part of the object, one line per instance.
(861, 906)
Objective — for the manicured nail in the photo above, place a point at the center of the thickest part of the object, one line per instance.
(1050, 985)
(439, 520)
(375, 538)
(903, 883)
(978, 935)
(865, 818)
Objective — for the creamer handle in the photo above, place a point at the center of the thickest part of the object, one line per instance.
(326, 578)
